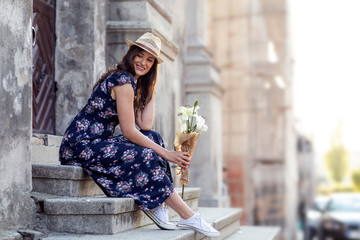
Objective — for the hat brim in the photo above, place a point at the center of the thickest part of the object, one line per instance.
(131, 43)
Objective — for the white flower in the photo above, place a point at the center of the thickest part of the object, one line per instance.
(200, 124)
(183, 127)
(183, 117)
(188, 110)
(185, 111)
(182, 123)
(196, 109)
(189, 120)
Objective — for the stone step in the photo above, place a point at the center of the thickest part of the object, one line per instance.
(45, 148)
(22, 234)
(62, 180)
(10, 235)
(256, 233)
(98, 215)
(225, 220)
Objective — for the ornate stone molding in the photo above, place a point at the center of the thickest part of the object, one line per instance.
(155, 4)
(129, 19)
(160, 8)
(168, 48)
(205, 87)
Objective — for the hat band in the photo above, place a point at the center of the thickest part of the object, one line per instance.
(147, 48)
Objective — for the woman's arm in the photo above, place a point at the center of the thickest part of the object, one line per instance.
(144, 119)
(124, 96)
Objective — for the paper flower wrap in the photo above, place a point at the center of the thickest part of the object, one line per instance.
(190, 125)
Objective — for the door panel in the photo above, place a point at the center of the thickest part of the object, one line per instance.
(43, 67)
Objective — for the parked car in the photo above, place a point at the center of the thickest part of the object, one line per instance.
(341, 217)
(313, 217)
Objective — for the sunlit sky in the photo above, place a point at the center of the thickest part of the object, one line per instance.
(326, 51)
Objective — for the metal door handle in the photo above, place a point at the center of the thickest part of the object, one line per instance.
(33, 36)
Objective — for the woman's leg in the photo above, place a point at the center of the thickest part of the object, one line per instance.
(174, 201)
(190, 220)
(179, 206)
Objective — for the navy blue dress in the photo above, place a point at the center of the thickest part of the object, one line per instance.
(120, 167)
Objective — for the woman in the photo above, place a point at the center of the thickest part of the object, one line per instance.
(136, 163)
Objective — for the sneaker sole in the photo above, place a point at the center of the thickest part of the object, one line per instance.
(207, 234)
(158, 222)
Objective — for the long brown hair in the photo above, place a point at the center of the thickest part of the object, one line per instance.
(145, 84)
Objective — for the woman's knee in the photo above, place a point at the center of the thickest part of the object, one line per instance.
(147, 132)
(153, 135)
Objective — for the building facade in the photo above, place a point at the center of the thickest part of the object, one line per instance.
(251, 40)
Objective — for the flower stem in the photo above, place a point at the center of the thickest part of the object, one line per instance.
(190, 127)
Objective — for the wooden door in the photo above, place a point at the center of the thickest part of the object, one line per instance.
(43, 81)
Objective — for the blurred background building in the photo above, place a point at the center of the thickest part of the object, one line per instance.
(251, 44)
(234, 56)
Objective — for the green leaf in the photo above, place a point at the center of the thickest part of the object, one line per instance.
(194, 128)
(337, 159)
(356, 179)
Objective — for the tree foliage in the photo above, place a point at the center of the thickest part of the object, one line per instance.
(356, 179)
(336, 159)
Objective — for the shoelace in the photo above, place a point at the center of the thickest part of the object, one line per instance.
(204, 224)
(165, 213)
(162, 213)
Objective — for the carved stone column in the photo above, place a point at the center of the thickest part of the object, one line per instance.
(16, 205)
(202, 83)
(79, 55)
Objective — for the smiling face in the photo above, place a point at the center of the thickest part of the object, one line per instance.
(143, 62)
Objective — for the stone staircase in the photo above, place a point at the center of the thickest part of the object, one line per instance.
(63, 180)
(69, 205)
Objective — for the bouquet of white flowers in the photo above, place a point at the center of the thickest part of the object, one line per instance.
(189, 121)
(190, 125)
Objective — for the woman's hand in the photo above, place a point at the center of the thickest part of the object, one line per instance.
(182, 159)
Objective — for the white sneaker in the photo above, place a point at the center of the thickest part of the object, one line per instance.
(160, 217)
(197, 223)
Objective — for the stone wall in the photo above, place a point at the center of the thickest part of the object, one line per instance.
(79, 55)
(15, 117)
(202, 83)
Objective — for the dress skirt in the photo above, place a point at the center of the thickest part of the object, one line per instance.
(124, 169)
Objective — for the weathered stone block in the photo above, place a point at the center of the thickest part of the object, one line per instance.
(45, 149)
(88, 206)
(93, 215)
(101, 215)
(10, 235)
(71, 181)
(79, 57)
(220, 218)
(28, 234)
(15, 113)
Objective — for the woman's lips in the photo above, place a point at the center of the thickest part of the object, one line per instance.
(140, 68)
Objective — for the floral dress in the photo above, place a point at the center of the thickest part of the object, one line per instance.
(120, 167)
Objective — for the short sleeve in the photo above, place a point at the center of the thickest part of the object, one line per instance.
(119, 79)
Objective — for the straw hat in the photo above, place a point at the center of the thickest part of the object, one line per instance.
(149, 43)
